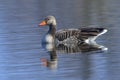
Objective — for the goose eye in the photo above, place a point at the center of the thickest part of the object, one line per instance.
(48, 19)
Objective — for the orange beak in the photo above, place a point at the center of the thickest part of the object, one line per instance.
(43, 23)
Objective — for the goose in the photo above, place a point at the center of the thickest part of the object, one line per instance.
(72, 35)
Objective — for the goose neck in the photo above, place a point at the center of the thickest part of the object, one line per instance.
(52, 29)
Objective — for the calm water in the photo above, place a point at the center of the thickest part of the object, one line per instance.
(22, 57)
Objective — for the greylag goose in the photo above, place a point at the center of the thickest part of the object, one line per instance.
(69, 35)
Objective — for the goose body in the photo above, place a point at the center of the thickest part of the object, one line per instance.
(69, 35)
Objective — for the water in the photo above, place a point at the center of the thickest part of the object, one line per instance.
(23, 57)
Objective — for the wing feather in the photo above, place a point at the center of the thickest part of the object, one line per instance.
(67, 33)
(80, 34)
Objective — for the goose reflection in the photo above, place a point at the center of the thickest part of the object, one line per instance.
(52, 62)
(68, 48)
(82, 48)
(74, 48)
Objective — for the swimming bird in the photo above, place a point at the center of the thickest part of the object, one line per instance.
(85, 34)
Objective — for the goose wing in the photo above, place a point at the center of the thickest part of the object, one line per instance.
(80, 34)
(67, 33)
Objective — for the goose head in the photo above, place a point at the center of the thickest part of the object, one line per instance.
(49, 20)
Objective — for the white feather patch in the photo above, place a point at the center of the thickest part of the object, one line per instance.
(49, 38)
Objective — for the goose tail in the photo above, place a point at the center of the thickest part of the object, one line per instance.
(92, 33)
